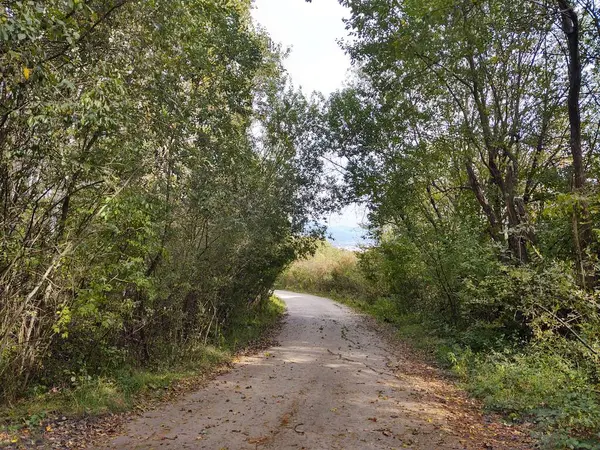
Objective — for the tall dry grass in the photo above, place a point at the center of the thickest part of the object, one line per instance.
(330, 271)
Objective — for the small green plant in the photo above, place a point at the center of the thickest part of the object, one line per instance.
(35, 419)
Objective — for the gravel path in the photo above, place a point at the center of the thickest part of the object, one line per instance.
(331, 383)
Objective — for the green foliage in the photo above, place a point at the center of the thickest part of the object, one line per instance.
(543, 387)
(330, 271)
(148, 190)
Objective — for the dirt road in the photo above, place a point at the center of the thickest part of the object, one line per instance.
(329, 384)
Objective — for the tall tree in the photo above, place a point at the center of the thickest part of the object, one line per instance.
(482, 72)
(582, 235)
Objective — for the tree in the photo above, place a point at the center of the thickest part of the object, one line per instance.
(141, 209)
(486, 80)
(458, 135)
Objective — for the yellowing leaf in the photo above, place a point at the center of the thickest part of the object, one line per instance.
(26, 72)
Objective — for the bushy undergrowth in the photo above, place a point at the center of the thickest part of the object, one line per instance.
(540, 385)
(120, 389)
(528, 350)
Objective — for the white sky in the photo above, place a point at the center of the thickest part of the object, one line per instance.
(316, 62)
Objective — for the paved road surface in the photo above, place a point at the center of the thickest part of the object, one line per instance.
(327, 385)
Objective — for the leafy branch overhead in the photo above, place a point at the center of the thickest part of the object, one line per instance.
(148, 190)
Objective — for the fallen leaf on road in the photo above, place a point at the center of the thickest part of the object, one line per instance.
(258, 440)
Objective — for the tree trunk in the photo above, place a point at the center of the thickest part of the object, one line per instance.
(582, 233)
(493, 221)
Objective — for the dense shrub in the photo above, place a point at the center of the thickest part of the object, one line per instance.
(526, 342)
(541, 386)
(147, 188)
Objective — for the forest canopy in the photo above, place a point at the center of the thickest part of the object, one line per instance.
(157, 172)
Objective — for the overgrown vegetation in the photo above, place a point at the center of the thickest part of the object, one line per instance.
(155, 172)
(470, 133)
(328, 270)
(527, 371)
(129, 385)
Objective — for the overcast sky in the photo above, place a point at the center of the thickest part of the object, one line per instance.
(316, 62)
